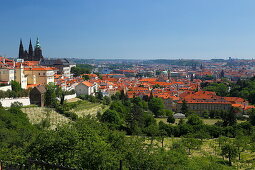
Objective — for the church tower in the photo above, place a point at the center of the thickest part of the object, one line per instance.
(30, 51)
(21, 50)
(38, 51)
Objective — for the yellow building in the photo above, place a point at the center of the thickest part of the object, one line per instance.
(39, 75)
(6, 75)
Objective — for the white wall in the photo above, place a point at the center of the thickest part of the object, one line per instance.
(71, 96)
(6, 102)
(5, 88)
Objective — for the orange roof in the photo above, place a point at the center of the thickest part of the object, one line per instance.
(57, 75)
(91, 75)
(148, 79)
(87, 83)
(234, 99)
(243, 106)
(32, 85)
(31, 63)
(161, 83)
(40, 68)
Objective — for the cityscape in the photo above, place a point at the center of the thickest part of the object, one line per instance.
(61, 110)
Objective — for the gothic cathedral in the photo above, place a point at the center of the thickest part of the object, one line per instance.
(31, 55)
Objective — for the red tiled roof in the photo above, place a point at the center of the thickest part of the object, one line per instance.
(40, 68)
(87, 83)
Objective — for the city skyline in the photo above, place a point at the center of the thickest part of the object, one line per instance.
(130, 30)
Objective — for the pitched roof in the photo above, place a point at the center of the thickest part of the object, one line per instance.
(40, 68)
(87, 83)
(41, 89)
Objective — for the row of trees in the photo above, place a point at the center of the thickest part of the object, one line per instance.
(81, 69)
(16, 91)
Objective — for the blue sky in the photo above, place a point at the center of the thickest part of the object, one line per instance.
(135, 29)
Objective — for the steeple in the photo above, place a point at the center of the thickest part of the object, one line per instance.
(30, 50)
(21, 49)
(38, 51)
(37, 43)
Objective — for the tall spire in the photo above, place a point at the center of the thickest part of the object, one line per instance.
(21, 49)
(38, 51)
(30, 50)
(37, 43)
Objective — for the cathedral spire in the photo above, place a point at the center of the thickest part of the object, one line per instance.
(37, 43)
(38, 51)
(21, 49)
(30, 50)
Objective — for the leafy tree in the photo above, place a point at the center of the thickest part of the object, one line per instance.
(221, 89)
(229, 151)
(116, 96)
(99, 95)
(201, 134)
(149, 119)
(184, 129)
(16, 87)
(181, 121)
(106, 100)
(85, 77)
(170, 119)
(50, 95)
(206, 114)
(120, 108)
(191, 143)
(244, 89)
(252, 117)
(194, 120)
(111, 116)
(214, 131)
(16, 134)
(184, 107)
(152, 131)
(81, 69)
(241, 142)
(162, 134)
(168, 112)
(58, 91)
(135, 120)
(155, 105)
(229, 118)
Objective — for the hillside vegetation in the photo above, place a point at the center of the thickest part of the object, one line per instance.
(38, 114)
